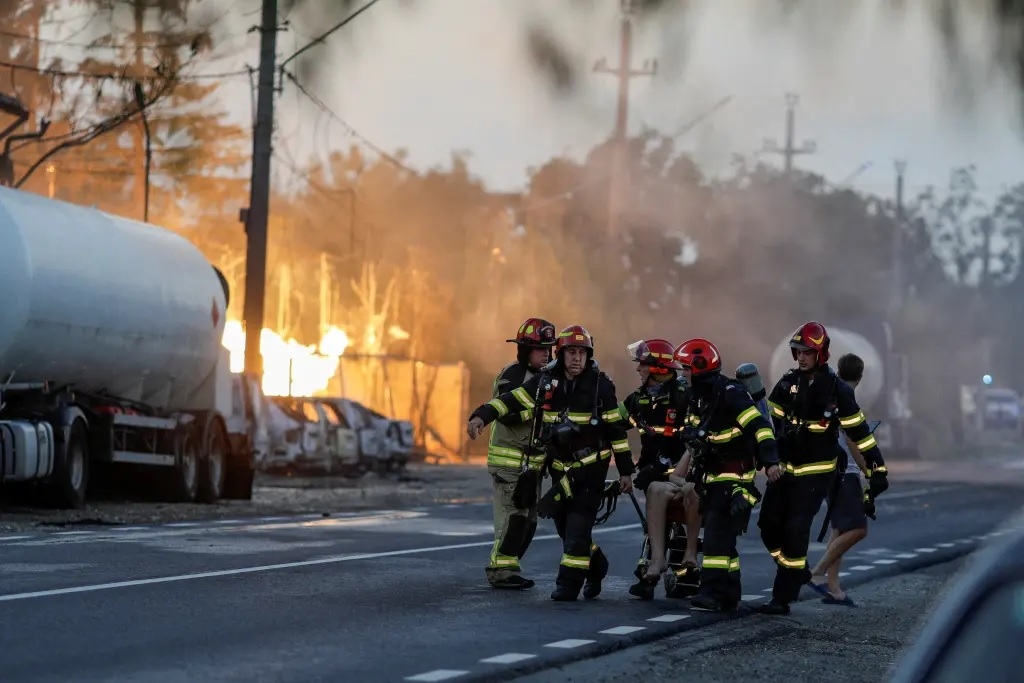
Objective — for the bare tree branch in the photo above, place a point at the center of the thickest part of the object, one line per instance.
(131, 111)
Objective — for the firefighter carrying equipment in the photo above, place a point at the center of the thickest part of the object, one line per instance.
(657, 411)
(808, 409)
(581, 430)
(734, 439)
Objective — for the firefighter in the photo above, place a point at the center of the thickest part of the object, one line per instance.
(809, 405)
(730, 439)
(657, 409)
(511, 460)
(577, 419)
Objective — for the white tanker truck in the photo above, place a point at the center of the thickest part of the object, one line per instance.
(883, 392)
(111, 355)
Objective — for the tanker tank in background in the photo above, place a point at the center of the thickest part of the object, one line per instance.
(884, 391)
(110, 352)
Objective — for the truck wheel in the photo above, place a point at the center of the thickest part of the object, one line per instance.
(71, 470)
(214, 462)
(185, 473)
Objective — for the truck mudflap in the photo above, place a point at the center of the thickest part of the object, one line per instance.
(238, 482)
(240, 461)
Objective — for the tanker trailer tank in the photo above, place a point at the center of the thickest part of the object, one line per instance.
(112, 329)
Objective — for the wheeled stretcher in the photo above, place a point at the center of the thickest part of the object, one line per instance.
(679, 581)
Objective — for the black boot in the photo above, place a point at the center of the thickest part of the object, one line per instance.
(598, 570)
(644, 589)
(565, 593)
(514, 582)
(774, 608)
(706, 602)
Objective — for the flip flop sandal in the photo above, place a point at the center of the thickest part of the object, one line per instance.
(833, 600)
(818, 588)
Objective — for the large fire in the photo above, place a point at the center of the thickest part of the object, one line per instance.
(289, 368)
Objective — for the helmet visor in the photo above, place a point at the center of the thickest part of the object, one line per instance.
(639, 352)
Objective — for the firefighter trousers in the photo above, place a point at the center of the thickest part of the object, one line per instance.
(513, 527)
(720, 567)
(787, 513)
(582, 559)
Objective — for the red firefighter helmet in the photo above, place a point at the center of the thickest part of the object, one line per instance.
(536, 333)
(656, 353)
(700, 356)
(575, 335)
(811, 336)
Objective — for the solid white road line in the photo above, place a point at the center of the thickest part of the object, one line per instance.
(274, 567)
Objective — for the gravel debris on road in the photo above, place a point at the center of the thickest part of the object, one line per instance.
(419, 484)
(816, 643)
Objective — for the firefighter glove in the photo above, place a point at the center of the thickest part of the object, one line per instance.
(869, 506)
(548, 505)
(740, 507)
(524, 496)
(646, 476)
(879, 484)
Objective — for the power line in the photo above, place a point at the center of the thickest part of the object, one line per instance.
(355, 133)
(320, 39)
(111, 76)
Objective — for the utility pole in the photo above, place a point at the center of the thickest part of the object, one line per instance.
(897, 240)
(624, 71)
(256, 215)
(788, 152)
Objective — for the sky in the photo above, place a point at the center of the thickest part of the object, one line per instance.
(436, 76)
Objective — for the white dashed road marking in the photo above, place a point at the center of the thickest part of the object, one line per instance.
(925, 550)
(569, 643)
(861, 568)
(437, 675)
(751, 598)
(509, 658)
(906, 556)
(669, 618)
(622, 630)
(885, 562)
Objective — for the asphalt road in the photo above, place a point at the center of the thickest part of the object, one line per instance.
(382, 595)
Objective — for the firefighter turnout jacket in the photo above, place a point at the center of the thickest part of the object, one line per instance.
(580, 422)
(658, 412)
(808, 409)
(736, 436)
(511, 431)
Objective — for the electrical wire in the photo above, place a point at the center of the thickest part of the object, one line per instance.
(110, 76)
(355, 133)
(323, 36)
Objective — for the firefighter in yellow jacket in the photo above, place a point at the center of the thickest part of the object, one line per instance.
(513, 467)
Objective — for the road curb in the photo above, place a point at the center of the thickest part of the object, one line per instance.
(599, 649)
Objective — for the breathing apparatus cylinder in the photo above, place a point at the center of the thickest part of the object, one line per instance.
(750, 377)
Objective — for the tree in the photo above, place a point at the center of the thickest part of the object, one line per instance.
(149, 67)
